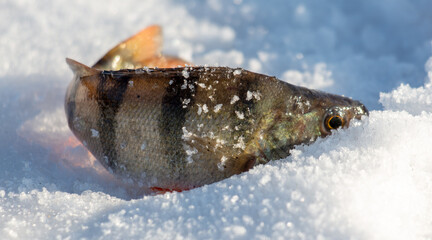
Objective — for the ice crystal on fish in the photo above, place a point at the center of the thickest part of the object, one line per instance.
(217, 108)
(234, 99)
(94, 132)
(240, 115)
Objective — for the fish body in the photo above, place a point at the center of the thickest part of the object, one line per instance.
(184, 127)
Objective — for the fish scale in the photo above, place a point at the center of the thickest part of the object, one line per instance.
(183, 145)
(184, 127)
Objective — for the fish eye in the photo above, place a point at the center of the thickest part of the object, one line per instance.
(334, 122)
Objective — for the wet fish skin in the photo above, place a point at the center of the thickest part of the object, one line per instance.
(180, 128)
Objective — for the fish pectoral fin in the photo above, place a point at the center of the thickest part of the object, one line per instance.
(80, 69)
(241, 163)
(224, 157)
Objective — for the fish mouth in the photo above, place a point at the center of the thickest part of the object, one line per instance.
(356, 113)
(360, 111)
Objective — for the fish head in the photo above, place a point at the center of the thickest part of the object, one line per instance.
(317, 113)
(304, 116)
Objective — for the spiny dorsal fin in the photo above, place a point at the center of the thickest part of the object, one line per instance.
(80, 69)
(145, 44)
(134, 50)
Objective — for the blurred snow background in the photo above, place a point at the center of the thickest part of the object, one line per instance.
(372, 181)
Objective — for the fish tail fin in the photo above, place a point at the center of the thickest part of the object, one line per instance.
(141, 50)
(80, 69)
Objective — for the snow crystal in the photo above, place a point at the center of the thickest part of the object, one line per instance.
(199, 111)
(184, 85)
(219, 142)
(240, 143)
(413, 100)
(94, 133)
(217, 108)
(185, 102)
(250, 95)
(222, 164)
(234, 99)
(186, 133)
(191, 87)
(205, 108)
(369, 181)
(237, 72)
(239, 114)
(190, 153)
(185, 73)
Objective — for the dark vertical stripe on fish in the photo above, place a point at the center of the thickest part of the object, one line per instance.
(245, 106)
(173, 116)
(110, 92)
(70, 105)
(70, 112)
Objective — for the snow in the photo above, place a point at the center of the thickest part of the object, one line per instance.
(217, 108)
(94, 133)
(413, 100)
(371, 181)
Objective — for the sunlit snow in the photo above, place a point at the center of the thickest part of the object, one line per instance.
(371, 181)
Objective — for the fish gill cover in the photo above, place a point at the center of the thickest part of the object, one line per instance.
(371, 181)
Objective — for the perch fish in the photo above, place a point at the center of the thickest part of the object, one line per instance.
(180, 127)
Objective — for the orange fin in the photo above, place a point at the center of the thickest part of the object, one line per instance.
(131, 52)
(141, 50)
(165, 62)
(80, 69)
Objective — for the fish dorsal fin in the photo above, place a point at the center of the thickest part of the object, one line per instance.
(80, 69)
(133, 51)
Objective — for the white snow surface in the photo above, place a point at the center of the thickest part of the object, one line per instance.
(371, 181)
